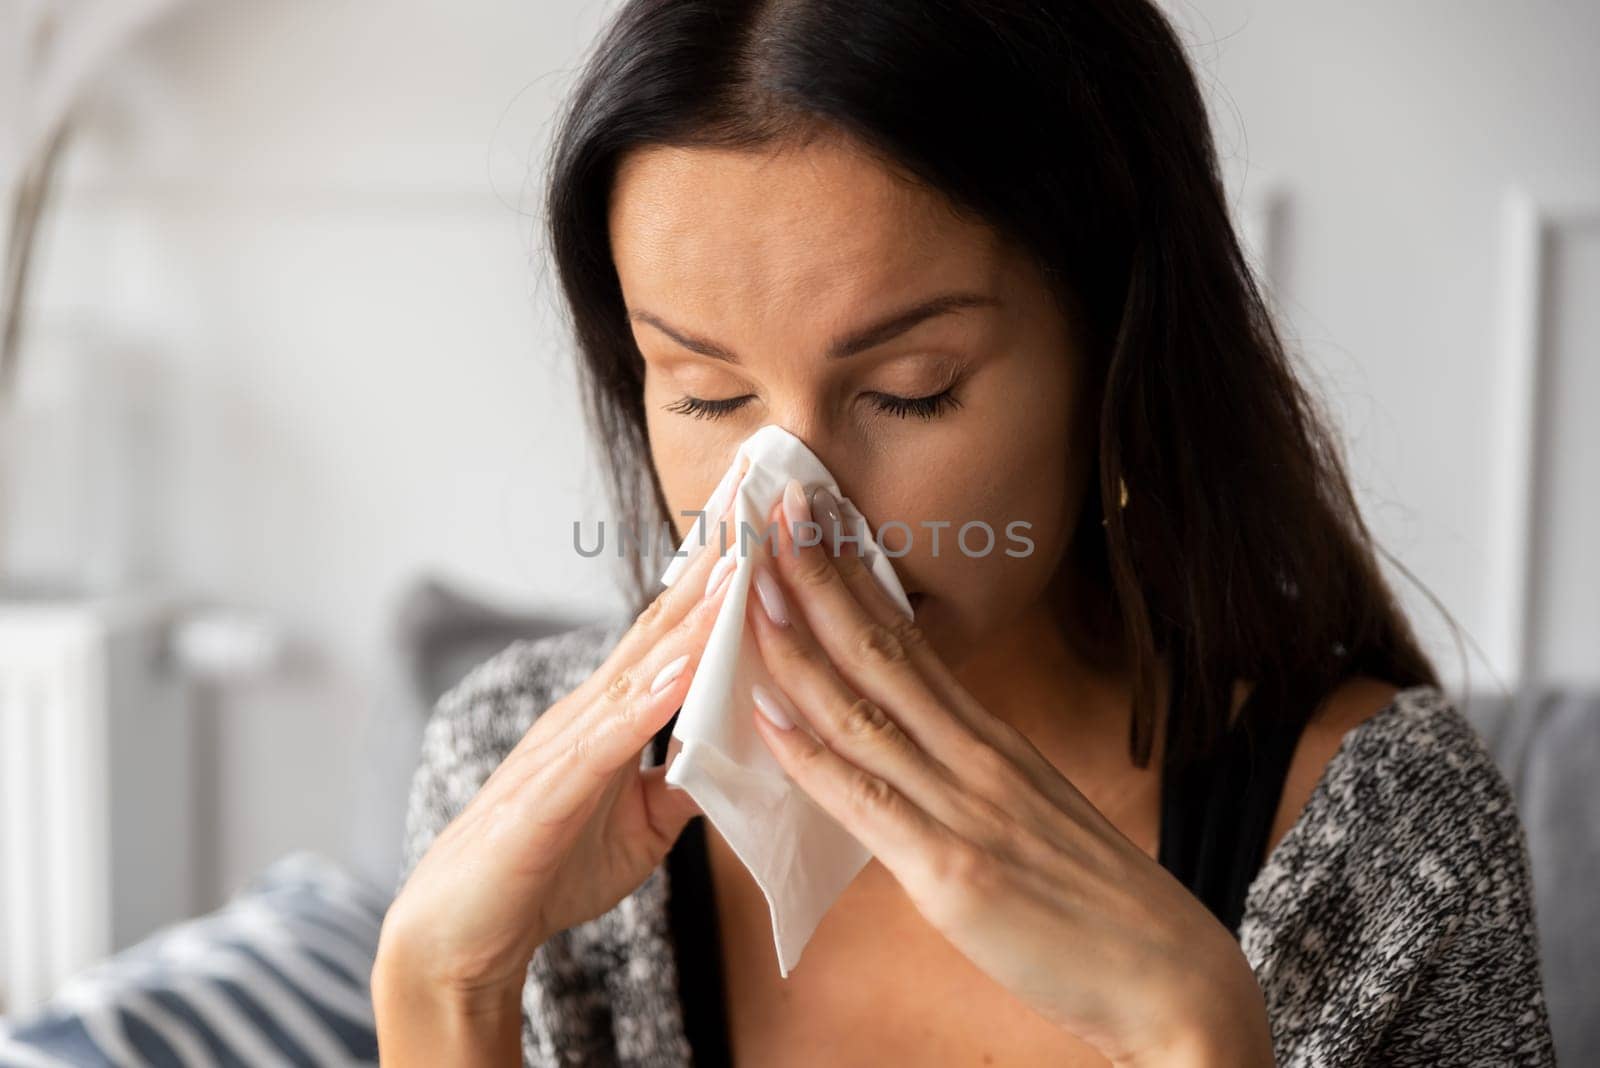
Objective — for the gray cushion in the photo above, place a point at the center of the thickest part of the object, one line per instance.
(1560, 807)
(1546, 742)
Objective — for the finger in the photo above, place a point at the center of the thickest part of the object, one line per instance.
(983, 800)
(693, 598)
(888, 659)
(669, 606)
(662, 632)
(566, 770)
(666, 807)
(869, 637)
(853, 726)
(910, 842)
(872, 651)
(588, 761)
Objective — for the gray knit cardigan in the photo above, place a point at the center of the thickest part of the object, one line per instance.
(1392, 925)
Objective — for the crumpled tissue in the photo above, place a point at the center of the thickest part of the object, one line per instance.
(798, 854)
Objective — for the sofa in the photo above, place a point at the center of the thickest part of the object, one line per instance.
(279, 976)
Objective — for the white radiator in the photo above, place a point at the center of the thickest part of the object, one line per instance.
(96, 844)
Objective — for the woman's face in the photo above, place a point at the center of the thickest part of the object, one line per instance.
(923, 360)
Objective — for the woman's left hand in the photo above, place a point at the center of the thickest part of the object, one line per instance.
(990, 842)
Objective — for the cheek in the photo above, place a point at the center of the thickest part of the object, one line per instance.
(688, 466)
(1019, 470)
(690, 455)
(1006, 499)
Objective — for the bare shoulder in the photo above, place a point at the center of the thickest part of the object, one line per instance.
(1351, 704)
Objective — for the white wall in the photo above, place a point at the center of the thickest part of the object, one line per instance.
(311, 219)
(1398, 133)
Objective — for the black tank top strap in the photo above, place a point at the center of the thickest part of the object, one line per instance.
(1217, 811)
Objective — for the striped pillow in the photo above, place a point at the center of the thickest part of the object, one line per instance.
(279, 976)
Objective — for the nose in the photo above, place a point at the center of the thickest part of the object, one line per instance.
(805, 422)
(815, 436)
(844, 463)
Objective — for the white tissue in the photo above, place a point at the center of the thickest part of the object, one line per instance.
(798, 854)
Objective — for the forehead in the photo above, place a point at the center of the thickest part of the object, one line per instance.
(821, 230)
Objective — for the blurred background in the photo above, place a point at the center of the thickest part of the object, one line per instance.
(289, 434)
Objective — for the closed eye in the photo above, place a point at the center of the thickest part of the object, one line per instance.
(707, 409)
(928, 407)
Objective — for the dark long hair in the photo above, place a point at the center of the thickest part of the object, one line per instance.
(1074, 127)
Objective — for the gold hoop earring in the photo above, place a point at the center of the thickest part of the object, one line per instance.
(1122, 498)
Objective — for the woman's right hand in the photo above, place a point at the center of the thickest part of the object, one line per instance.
(568, 824)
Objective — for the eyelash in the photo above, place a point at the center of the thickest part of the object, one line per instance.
(706, 409)
(924, 408)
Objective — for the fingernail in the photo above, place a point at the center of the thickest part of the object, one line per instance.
(771, 597)
(665, 676)
(826, 507)
(795, 508)
(769, 705)
(719, 575)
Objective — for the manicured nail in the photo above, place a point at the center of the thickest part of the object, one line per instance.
(665, 676)
(771, 597)
(796, 509)
(719, 575)
(770, 706)
(826, 507)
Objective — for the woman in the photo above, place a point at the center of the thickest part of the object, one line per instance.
(1177, 786)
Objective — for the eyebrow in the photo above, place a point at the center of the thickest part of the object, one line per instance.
(849, 345)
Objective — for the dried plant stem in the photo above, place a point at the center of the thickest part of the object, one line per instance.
(27, 208)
